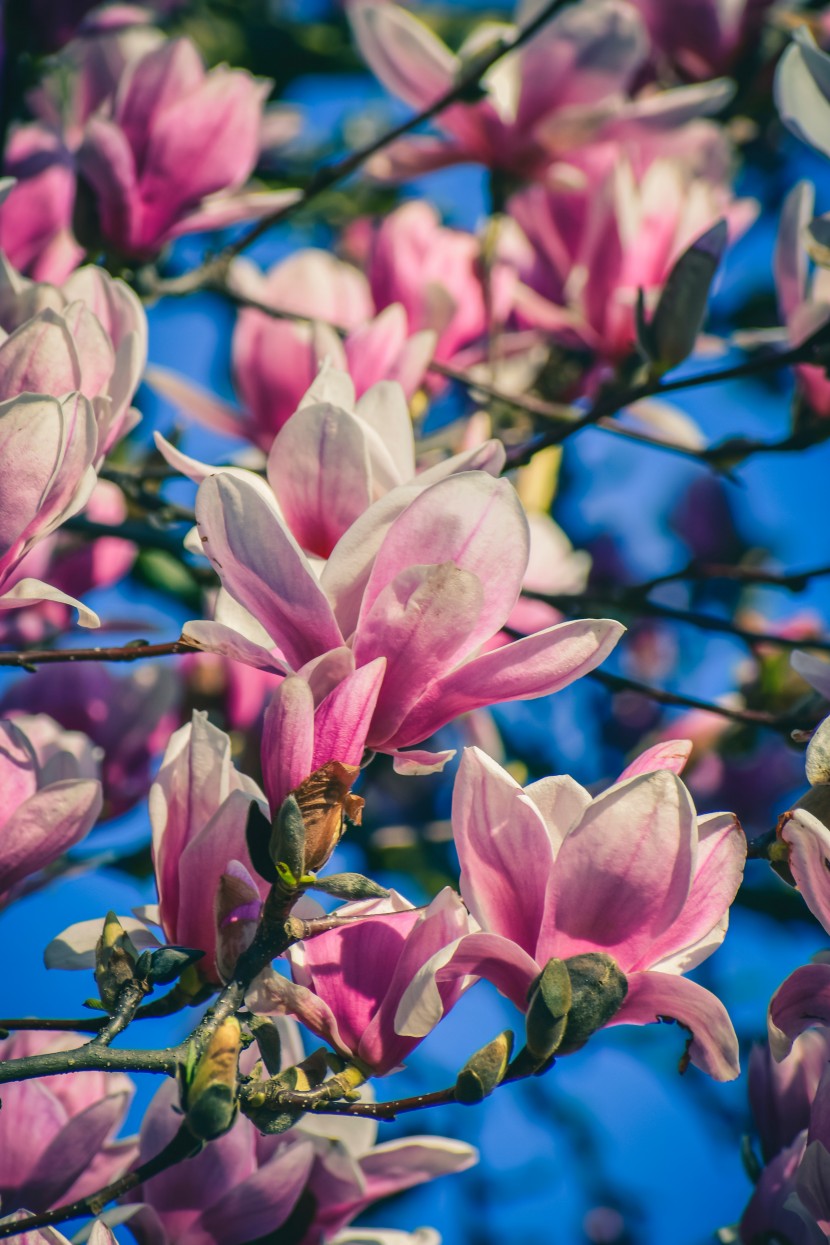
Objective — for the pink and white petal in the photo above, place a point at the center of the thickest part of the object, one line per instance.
(809, 842)
(75, 947)
(536, 665)
(402, 52)
(490, 457)
(669, 754)
(662, 996)
(220, 210)
(287, 749)
(383, 408)
(319, 470)
(47, 825)
(396, 1165)
(472, 521)
(214, 637)
(33, 591)
(271, 994)
(504, 848)
(802, 1001)
(623, 875)
(498, 960)
(790, 263)
(71, 1152)
(813, 670)
(263, 567)
(561, 801)
(343, 718)
(259, 1205)
(417, 761)
(702, 924)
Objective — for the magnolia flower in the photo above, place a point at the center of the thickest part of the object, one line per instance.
(570, 83)
(423, 578)
(209, 894)
(245, 1186)
(803, 299)
(67, 1149)
(550, 872)
(702, 37)
(349, 982)
(50, 801)
(169, 151)
(802, 90)
(47, 447)
(36, 215)
(617, 230)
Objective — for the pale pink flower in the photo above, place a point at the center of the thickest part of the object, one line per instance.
(702, 38)
(571, 83)
(245, 1185)
(36, 216)
(632, 873)
(424, 578)
(803, 298)
(49, 801)
(66, 1149)
(349, 983)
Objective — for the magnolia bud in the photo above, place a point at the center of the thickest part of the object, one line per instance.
(210, 1100)
(115, 960)
(287, 845)
(484, 1070)
(598, 990)
(671, 334)
(350, 886)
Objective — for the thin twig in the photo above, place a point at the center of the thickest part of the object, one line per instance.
(136, 650)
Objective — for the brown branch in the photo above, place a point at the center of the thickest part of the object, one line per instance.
(136, 650)
(183, 1146)
(792, 581)
(378, 1110)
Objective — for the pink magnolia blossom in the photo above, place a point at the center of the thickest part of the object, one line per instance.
(245, 1185)
(423, 578)
(128, 718)
(170, 150)
(571, 83)
(349, 983)
(702, 37)
(48, 447)
(276, 361)
(66, 1149)
(49, 802)
(803, 300)
(632, 873)
(781, 1093)
(617, 230)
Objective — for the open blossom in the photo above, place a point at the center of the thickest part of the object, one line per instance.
(803, 299)
(170, 150)
(36, 215)
(617, 230)
(49, 802)
(66, 1149)
(702, 37)
(423, 578)
(275, 361)
(569, 84)
(349, 982)
(634, 873)
(47, 447)
(245, 1186)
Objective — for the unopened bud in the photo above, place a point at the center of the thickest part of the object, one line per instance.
(484, 1070)
(350, 886)
(168, 963)
(269, 1042)
(817, 761)
(598, 990)
(671, 334)
(287, 845)
(258, 838)
(210, 1100)
(115, 960)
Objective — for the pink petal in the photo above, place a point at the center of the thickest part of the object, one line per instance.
(534, 666)
(670, 754)
(195, 402)
(72, 1151)
(657, 996)
(497, 830)
(790, 263)
(801, 1002)
(287, 751)
(215, 637)
(260, 1204)
(623, 874)
(420, 761)
(274, 995)
(262, 566)
(402, 52)
(45, 826)
(343, 718)
(809, 842)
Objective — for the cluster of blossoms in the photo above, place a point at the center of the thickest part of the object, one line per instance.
(374, 590)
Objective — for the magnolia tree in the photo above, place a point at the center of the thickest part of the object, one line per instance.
(369, 565)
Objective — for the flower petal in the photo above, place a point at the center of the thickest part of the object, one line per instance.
(802, 1001)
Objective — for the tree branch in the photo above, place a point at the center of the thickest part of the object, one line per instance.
(136, 650)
